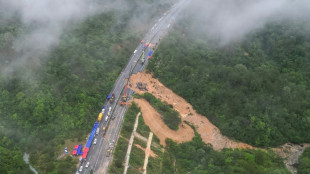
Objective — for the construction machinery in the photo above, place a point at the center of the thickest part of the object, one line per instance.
(124, 98)
(142, 58)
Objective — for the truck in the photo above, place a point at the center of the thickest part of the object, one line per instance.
(100, 116)
(124, 98)
(108, 152)
(112, 98)
(150, 54)
(109, 112)
(97, 131)
(142, 58)
(103, 109)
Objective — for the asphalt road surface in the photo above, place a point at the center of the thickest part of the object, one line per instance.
(97, 158)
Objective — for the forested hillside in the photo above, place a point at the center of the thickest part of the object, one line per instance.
(256, 90)
(50, 99)
(197, 157)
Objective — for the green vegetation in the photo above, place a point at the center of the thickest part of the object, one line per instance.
(154, 165)
(256, 91)
(119, 156)
(122, 143)
(304, 162)
(129, 120)
(170, 117)
(142, 128)
(11, 158)
(139, 142)
(197, 157)
(136, 160)
(49, 99)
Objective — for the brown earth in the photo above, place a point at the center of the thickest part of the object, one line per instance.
(152, 154)
(210, 134)
(153, 119)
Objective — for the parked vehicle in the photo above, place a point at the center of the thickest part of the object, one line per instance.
(87, 164)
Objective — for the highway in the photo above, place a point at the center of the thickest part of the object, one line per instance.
(98, 161)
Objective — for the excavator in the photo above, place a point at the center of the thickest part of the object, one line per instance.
(124, 98)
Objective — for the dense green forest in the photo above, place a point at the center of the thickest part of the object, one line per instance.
(256, 90)
(304, 162)
(197, 157)
(57, 97)
(169, 116)
(11, 158)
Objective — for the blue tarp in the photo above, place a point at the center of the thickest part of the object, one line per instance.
(78, 152)
(150, 53)
(90, 139)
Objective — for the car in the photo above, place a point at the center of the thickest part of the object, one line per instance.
(81, 168)
(97, 131)
(95, 141)
(87, 164)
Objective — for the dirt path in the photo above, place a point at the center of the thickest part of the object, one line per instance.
(130, 143)
(209, 133)
(152, 153)
(147, 152)
(159, 128)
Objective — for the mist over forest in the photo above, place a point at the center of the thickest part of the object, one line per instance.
(243, 64)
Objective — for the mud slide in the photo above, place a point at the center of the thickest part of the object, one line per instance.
(209, 133)
(153, 119)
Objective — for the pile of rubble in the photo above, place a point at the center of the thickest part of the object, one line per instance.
(142, 86)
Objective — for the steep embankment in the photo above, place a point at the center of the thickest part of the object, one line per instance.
(210, 134)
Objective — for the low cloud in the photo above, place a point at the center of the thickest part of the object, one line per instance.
(44, 20)
(231, 20)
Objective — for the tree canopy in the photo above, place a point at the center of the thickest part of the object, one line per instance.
(256, 90)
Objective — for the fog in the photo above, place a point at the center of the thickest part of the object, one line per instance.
(231, 20)
(44, 21)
